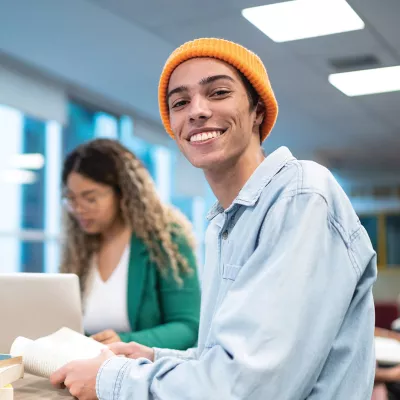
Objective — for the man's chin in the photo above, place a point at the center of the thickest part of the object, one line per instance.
(207, 162)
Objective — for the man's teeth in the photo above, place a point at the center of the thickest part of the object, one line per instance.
(200, 137)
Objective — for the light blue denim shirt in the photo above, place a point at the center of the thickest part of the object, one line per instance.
(287, 309)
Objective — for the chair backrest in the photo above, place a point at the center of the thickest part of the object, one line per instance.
(385, 314)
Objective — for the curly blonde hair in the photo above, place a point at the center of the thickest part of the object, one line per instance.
(109, 162)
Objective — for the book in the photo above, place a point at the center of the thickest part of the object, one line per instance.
(43, 356)
(7, 393)
(8, 359)
(387, 351)
(11, 374)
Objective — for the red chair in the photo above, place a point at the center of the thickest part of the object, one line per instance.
(385, 314)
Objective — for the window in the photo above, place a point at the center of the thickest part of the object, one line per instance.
(30, 170)
(393, 240)
(31, 158)
(22, 182)
(85, 123)
(370, 224)
(384, 232)
(33, 195)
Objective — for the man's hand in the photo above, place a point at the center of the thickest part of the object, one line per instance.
(132, 350)
(80, 376)
(106, 337)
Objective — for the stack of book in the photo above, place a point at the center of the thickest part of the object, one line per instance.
(11, 369)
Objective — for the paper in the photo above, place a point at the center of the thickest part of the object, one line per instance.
(44, 356)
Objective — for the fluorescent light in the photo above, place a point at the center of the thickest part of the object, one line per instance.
(300, 19)
(27, 161)
(369, 81)
(17, 176)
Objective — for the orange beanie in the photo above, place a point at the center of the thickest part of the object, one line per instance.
(234, 54)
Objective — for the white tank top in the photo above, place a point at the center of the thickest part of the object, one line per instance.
(105, 305)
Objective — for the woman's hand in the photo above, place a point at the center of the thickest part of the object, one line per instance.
(106, 337)
(132, 350)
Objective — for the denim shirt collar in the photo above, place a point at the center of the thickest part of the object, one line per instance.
(260, 178)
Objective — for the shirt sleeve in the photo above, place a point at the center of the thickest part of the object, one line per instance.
(275, 327)
(189, 354)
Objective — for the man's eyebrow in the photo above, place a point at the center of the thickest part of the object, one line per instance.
(178, 89)
(213, 78)
(204, 81)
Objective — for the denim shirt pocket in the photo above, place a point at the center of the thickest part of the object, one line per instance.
(229, 274)
(230, 271)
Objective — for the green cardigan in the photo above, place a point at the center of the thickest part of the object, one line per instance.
(161, 313)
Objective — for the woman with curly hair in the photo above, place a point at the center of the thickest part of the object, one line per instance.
(133, 254)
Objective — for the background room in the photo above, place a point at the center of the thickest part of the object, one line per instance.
(77, 70)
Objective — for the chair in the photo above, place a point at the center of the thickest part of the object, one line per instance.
(385, 314)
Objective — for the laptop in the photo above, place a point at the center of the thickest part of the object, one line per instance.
(34, 305)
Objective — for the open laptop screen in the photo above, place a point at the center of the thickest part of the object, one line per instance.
(34, 305)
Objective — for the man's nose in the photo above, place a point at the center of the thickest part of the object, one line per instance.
(199, 109)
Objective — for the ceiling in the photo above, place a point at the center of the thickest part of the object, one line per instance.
(118, 47)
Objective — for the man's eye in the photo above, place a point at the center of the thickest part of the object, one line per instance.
(221, 93)
(179, 104)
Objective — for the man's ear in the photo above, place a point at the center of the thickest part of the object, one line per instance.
(260, 113)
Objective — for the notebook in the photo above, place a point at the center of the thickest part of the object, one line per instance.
(43, 356)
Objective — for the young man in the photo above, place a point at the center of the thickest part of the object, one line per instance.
(287, 311)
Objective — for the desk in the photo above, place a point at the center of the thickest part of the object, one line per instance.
(35, 388)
